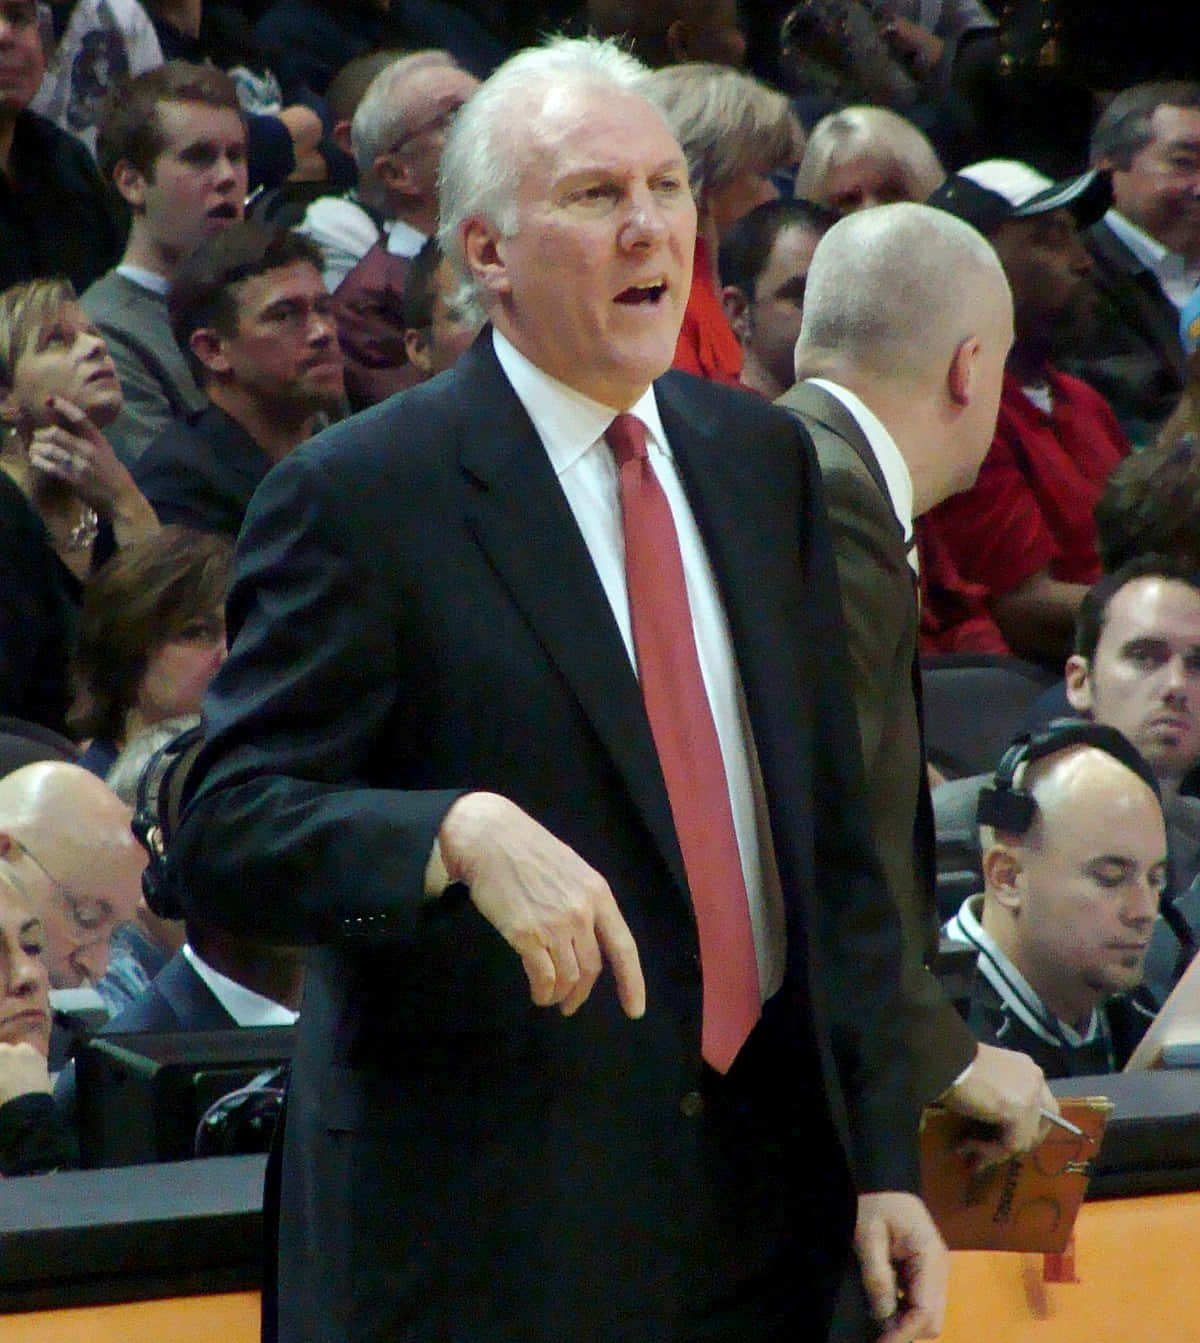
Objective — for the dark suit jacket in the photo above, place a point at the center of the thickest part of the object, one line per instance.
(416, 615)
(881, 630)
(176, 999)
(202, 471)
(1130, 350)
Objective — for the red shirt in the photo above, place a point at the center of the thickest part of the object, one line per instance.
(1032, 506)
(707, 346)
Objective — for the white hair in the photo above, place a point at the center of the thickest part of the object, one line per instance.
(893, 287)
(381, 117)
(481, 164)
(873, 133)
(725, 121)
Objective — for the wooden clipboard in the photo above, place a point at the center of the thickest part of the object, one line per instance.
(1028, 1202)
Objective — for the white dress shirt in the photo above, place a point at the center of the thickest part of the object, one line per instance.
(571, 426)
(246, 1007)
(1176, 277)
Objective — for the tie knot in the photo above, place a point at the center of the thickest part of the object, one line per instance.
(626, 436)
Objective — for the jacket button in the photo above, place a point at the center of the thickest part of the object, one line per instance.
(692, 1104)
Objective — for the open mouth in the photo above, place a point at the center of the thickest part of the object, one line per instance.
(226, 211)
(642, 293)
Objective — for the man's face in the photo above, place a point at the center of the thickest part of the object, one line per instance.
(1092, 882)
(82, 896)
(867, 180)
(1144, 678)
(432, 97)
(451, 330)
(198, 184)
(1046, 265)
(593, 284)
(21, 62)
(284, 352)
(750, 186)
(1160, 190)
(777, 309)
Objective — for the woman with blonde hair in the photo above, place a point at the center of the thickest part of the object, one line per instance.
(66, 502)
(736, 133)
(865, 156)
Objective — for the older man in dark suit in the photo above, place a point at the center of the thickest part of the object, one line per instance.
(907, 325)
(538, 668)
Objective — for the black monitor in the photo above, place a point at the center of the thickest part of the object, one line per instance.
(141, 1096)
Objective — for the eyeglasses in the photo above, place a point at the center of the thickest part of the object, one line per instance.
(89, 913)
(441, 122)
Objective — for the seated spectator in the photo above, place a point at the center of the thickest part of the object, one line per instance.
(343, 226)
(864, 156)
(31, 1140)
(313, 39)
(1145, 254)
(252, 310)
(65, 500)
(96, 44)
(1074, 863)
(670, 32)
(397, 136)
(1136, 667)
(56, 218)
(1025, 530)
(151, 637)
(139, 949)
(65, 841)
(763, 261)
(58, 390)
(284, 121)
(736, 133)
(441, 310)
(174, 144)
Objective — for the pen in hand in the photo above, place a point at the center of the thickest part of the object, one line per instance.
(1059, 1122)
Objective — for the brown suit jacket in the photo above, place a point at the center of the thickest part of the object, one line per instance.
(880, 611)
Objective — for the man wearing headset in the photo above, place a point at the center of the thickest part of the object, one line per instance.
(1074, 863)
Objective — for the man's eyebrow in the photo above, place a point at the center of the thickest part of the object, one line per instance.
(793, 288)
(31, 925)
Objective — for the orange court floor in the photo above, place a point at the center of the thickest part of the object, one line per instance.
(1133, 1263)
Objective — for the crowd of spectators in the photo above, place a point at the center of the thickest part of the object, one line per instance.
(219, 236)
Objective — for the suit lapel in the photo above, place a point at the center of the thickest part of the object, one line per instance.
(1145, 305)
(520, 518)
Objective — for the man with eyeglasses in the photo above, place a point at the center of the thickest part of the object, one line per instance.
(397, 137)
(1145, 254)
(55, 216)
(65, 842)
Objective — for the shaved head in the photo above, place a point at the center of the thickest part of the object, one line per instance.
(897, 288)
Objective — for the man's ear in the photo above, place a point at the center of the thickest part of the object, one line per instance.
(484, 250)
(1079, 684)
(209, 348)
(341, 136)
(1004, 876)
(393, 171)
(737, 307)
(131, 183)
(961, 375)
(416, 346)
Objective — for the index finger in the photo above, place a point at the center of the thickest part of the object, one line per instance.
(620, 950)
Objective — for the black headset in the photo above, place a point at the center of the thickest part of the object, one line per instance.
(1004, 806)
(156, 817)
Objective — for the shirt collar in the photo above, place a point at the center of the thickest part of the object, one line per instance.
(1010, 984)
(567, 422)
(1148, 250)
(245, 1006)
(148, 279)
(896, 474)
(403, 239)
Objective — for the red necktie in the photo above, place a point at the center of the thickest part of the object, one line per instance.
(689, 751)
